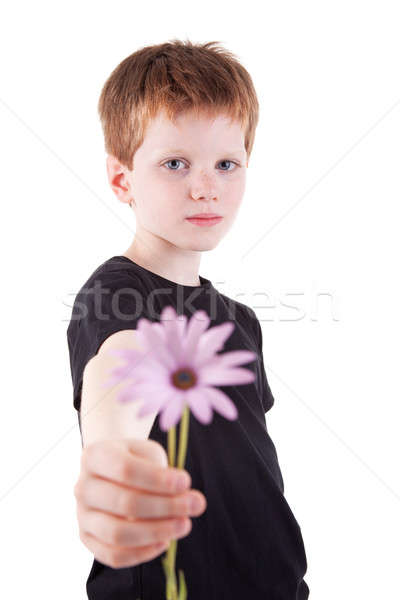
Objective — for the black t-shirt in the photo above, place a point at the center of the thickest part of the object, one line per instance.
(247, 543)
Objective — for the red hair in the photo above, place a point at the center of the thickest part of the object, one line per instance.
(174, 76)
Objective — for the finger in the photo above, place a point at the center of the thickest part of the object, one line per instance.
(101, 494)
(116, 557)
(152, 506)
(113, 462)
(121, 532)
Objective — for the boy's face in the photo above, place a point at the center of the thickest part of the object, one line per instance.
(197, 165)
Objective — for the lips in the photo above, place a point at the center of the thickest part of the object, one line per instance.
(204, 216)
(203, 220)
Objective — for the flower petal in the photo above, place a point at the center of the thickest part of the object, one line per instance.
(215, 375)
(168, 313)
(136, 362)
(196, 326)
(142, 327)
(153, 403)
(152, 371)
(142, 388)
(199, 405)
(235, 358)
(220, 402)
(159, 328)
(174, 327)
(156, 341)
(211, 341)
(172, 412)
(117, 375)
(139, 389)
(132, 358)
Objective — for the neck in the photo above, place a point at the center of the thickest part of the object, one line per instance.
(163, 258)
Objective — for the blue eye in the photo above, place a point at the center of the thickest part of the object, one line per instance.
(173, 160)
(228, 161)
(177, 160)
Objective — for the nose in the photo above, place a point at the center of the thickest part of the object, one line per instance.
(203, 187)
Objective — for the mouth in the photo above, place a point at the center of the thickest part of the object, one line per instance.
(204, 221)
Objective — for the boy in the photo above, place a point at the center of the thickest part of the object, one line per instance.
(179, 122)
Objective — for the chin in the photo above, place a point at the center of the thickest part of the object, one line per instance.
(205, 247)
(199, 245)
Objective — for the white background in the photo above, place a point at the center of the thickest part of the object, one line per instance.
(320, 216)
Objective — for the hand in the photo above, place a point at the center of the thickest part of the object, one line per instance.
(128, 505)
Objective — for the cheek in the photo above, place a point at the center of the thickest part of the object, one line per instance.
(236, 192)
(160, 210)
(158, 214)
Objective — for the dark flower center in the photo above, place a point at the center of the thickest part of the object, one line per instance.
(184, 378)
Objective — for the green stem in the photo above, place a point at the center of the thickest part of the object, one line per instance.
(183, 437)
(172, 592)
(171, 446)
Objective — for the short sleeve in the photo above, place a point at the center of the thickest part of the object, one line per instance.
(267, 397)
(107, 303)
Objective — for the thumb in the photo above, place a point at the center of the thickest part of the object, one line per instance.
(149, 449)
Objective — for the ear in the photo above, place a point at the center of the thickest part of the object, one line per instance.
(118, 179)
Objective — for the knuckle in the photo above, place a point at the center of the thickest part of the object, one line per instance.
(158, 453)
(126, 504)
(123, 470)
(115, 535)
(180, 505)
(166, 480)
(155, 533)
(77, 489)
(159, 534)
(82, 494)
(81, 490)
(159, 479)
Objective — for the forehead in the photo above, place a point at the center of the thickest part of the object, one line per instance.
(195, 129)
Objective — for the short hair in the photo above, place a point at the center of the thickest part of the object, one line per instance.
(174, 76)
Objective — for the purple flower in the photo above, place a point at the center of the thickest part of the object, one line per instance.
(178, 365)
